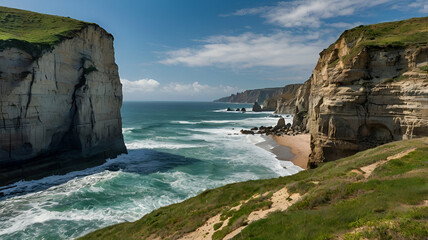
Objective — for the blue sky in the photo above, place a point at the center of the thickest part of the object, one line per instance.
(200, 50)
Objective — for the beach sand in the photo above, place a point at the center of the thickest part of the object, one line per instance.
(299, 146)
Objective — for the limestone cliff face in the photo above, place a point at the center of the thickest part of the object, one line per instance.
(301, 110)
(361, 97)
(251, 96)
(61, 110)
(285, 102)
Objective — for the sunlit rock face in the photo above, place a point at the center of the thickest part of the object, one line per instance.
(59, 111)
(285, 102)
(380, 95)
(368, 88)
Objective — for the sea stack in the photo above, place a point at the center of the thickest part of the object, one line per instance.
(256, 107)
(60, 97)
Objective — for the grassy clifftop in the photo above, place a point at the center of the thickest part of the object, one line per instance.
(410, 32)
(34, 32)
(381, 193)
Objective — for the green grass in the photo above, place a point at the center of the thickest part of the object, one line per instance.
(34, 32)
(384, 206)
(411, 32)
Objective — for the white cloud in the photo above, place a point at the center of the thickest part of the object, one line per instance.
(249, 50)
(142, 85)
(196, 88)
(345, 25)
(150, 89)
(422, 5)
(307, 34)
(308, 13)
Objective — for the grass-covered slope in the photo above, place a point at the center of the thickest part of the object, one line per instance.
(339, 201)
(410, 32)
(34, 32)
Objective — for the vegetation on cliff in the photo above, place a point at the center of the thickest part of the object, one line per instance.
(379, 193)
(251, 96)
(34, 32)
(411, 32)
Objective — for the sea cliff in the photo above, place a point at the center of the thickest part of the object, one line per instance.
(251, 96)
(60, 96)
(368, 88)
(285, 102)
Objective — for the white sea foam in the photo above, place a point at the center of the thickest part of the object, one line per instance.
(255, 139)
(248, 110)
(154, 144)
(184, 122)
(222, 158)
(127, 130)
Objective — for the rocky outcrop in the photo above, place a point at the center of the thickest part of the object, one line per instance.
(301, 116)
(364, 92)
(251, 96)
(256, 107)
(59, 111)
(285, 102)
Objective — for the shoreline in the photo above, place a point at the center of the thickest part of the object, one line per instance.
(298, 145)
(291, 151)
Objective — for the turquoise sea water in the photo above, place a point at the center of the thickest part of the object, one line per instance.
(176, 150)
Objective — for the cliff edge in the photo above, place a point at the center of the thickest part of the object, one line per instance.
(285, 102)
(251, 96)
(370, 87)
(60, 96)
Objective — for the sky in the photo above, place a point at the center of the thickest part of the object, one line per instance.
(201, 50)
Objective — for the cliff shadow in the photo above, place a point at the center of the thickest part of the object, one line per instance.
(140, 161)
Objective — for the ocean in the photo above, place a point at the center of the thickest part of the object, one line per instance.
(175, 151)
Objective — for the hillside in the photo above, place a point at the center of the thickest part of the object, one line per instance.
(251, 96)
(34, 32)
(381, 193)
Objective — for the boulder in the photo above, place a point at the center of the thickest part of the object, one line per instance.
(280, 124)
(247, 132)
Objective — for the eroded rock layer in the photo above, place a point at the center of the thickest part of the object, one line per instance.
(285, 102)
(364, 96)
(59, 111)
(251, 96)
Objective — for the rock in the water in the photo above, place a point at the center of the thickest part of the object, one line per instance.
(228, 109)
(243, 110)
(247, 132)
(237, 110)
(280, 124)
(257, 107)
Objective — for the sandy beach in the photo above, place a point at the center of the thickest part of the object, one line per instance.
(299, 146)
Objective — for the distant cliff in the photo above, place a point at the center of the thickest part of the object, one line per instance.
(60, 95)
(368, 88)
(251, 96)
(285, 102)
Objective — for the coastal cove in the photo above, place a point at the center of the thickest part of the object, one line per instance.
(176, 151)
